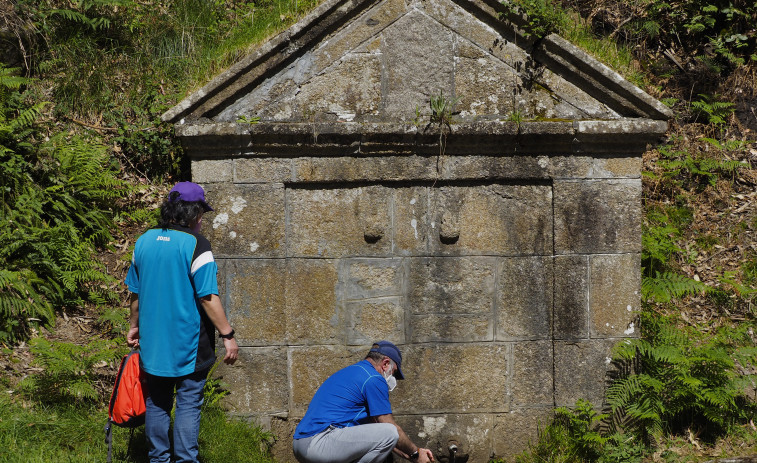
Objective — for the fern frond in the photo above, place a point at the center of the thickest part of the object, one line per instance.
(27, 117)
(68, 370)
(664, 287)
(96, 24)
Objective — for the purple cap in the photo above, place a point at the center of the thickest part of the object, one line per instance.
(391, 351)
(191, 192)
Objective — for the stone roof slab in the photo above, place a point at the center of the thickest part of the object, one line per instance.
(361, 74)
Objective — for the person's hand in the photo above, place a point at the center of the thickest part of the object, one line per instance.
(132, 337)
(232, 351)
(425, 455)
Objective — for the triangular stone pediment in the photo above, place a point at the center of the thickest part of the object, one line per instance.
(382, 61)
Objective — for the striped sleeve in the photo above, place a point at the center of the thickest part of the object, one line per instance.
(204, 269)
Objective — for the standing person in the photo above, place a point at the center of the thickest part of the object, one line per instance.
(175, 310)
(350, 418)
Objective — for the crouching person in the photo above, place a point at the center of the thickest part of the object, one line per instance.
(350, 418)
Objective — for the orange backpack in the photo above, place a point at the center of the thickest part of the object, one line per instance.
(127, 401)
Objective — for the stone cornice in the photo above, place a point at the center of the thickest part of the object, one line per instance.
(614, 137)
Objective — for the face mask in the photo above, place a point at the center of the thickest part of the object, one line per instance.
(391, 381)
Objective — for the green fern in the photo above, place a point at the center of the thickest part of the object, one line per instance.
(542, 17)
(81, 17)
(667, 286)
(669, 380)
(20, 302)
(573, 436)
(658, 246)
(56, 210)
(714, 110)
(70, 371)
(683, 168)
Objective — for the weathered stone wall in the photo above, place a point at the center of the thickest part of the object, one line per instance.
(505, 264)
(505, 292)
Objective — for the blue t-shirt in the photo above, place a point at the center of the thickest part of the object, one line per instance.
(170, 270)
(347, 398)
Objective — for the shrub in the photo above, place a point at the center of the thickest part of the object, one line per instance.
(671, 379)
(57, 202)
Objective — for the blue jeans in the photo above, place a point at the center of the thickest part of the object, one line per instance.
(366, 443)
(186, 426)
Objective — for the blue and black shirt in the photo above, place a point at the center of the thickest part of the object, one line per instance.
(170, 270)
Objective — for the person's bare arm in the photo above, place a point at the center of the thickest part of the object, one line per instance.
(213, 307)
(132, 337)
(404, 444)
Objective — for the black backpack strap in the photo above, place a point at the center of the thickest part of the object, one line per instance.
(109, 439)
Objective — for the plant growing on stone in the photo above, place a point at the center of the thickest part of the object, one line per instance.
(248, 119)
(418, 116)
(442, 115)
(442, 111)
(516, 116)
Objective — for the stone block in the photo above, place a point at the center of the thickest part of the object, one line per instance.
(411, 221)
(524, 301)
(248, 220)
(254, 297)
(312, 312)
(283, 430)
(617, 167)
(571, 167)
(278, 301)
(258, 381)
(532, 366)
(597, 216)
(481, 34)
(615, 294)
(212, 171)
(358, 35)
(513, 431)
(479, 82)
(452, 378)
(581, 369)
(471, 433)
(496, 167)
(362, 278)
(273, 99)
(339, 222)
(421, 64)
(574, 97)
(451, 328)
(350, 89)
(571, 309)
(372, 320)
(452, 285)
(262, 170)
(361, 169)
(491, 220)
(309, 368)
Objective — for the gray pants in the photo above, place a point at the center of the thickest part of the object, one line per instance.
(367, 443)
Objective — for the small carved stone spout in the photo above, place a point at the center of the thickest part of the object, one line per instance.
(449, 230)
(454, 455)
